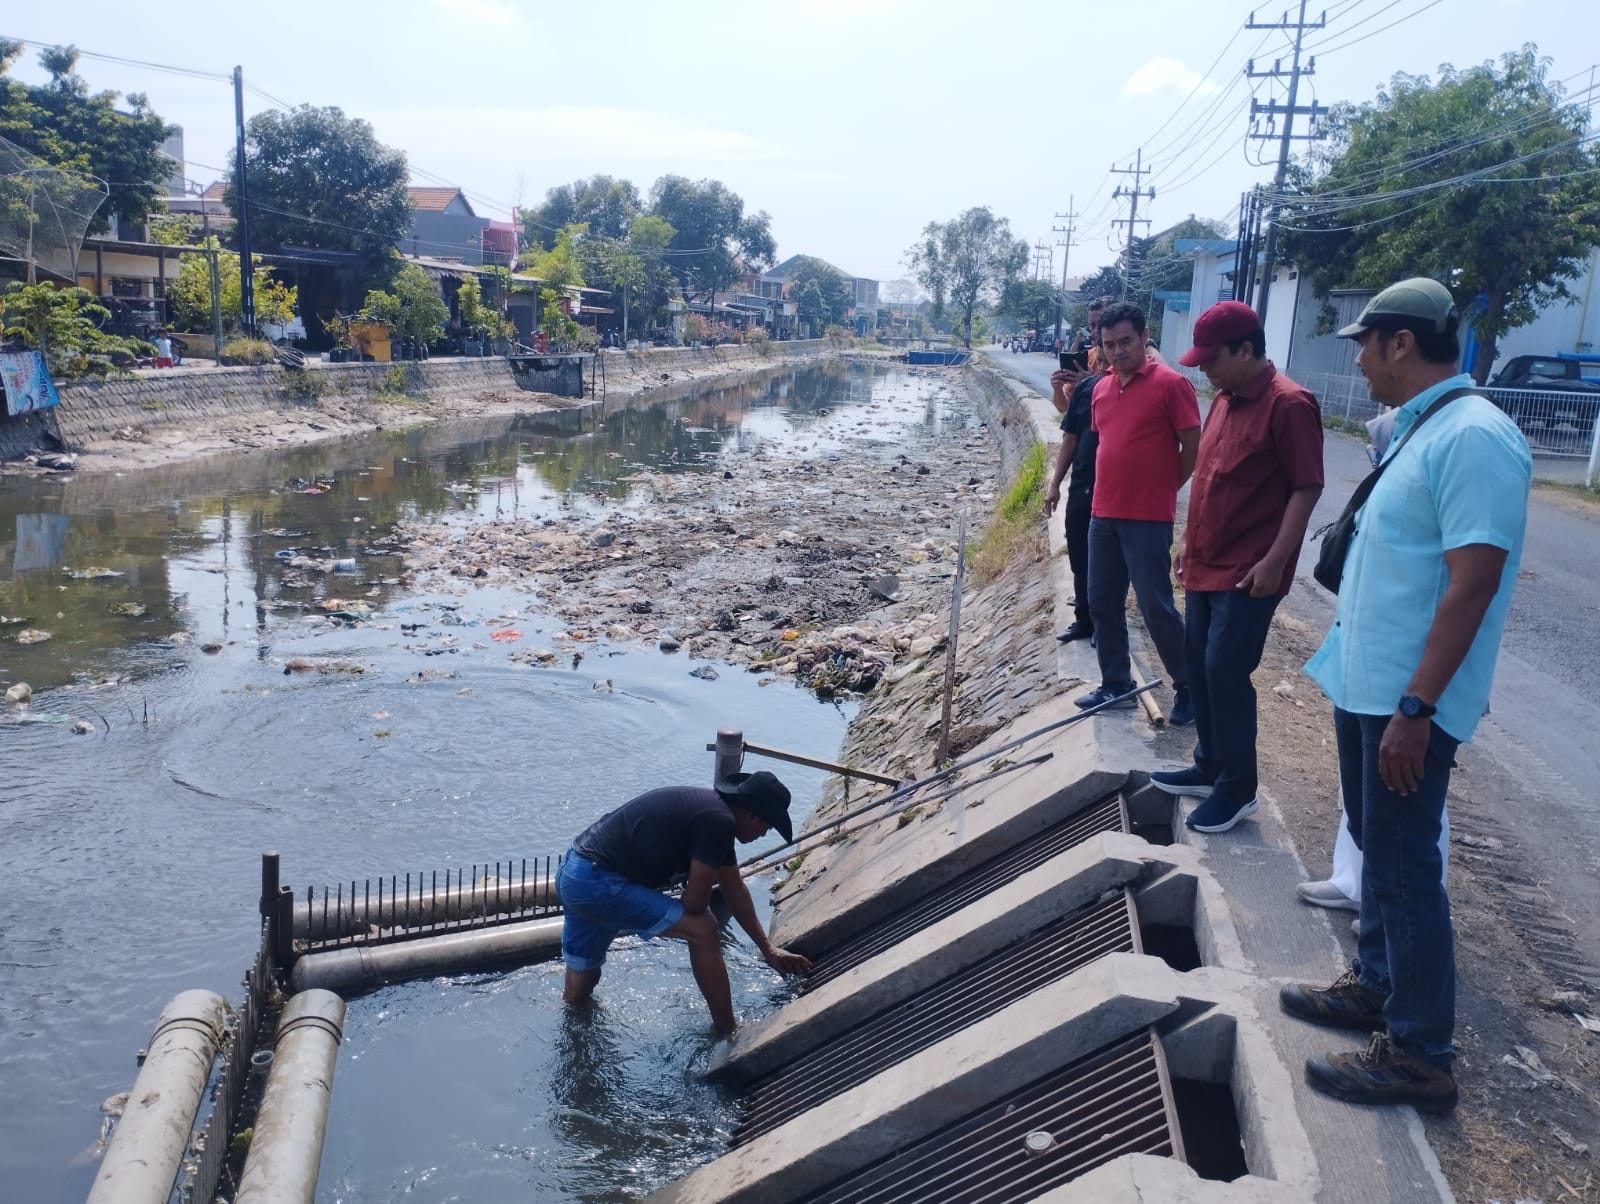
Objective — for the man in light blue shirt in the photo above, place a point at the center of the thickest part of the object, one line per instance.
(1408, 665)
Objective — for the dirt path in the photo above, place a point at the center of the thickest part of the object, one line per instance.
(1513, 1137)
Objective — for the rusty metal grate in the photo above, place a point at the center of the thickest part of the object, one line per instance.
(1110, 1103)
(964, 998)
(1108, 815)
(398, 907)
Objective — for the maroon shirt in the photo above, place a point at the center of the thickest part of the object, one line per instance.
(1258, 446)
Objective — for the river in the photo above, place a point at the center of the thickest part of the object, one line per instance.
(173, 609)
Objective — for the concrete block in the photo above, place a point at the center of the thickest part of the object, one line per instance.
(1101, 1003)
(851, 885)
(1143, 1179)
(1067, 881)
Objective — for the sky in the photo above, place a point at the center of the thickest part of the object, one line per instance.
(852, 123)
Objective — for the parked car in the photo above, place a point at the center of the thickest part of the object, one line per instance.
(1543, 394)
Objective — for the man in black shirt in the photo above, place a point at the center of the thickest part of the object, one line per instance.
(1079, 443)
(611, 881)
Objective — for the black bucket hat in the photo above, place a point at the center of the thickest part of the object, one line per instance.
(759, 793)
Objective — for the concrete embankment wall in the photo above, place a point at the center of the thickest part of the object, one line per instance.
(92, 411)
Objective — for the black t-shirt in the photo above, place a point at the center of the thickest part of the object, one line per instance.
(1076, 421)
(651, 839)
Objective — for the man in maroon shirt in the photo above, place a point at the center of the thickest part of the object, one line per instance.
(1148, 424)
(1258, 476)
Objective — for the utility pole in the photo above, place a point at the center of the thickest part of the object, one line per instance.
(1042, 253)
(247, 282)
(1066, 245)
(1138, 171)
(1288, 112)
(216, 282)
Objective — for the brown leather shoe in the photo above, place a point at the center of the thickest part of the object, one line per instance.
(1345, 1004)
(1383, 1073)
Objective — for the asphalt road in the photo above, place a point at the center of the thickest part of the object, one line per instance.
(1543, 731)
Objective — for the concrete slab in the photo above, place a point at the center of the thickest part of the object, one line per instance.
(1143, 1179)
(842, 888)
(1067, 881)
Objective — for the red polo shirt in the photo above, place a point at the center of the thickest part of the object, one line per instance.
(1137, 468)
(1259, 445)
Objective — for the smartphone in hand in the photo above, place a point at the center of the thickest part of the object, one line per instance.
(1075, 361)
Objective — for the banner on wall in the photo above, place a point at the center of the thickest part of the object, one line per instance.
(26, 382)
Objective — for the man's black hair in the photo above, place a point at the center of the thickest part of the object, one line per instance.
(1123, 311)
(1257, 339)
(1099, 303)
(1433, 347)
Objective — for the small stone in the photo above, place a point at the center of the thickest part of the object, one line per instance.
(82, 727)
(1283, 689)
(886, 587)
(705, 673)
(602, 539)
(668, 644)
(211, 647)
(19, 693)
(642, 607)
(725, 621)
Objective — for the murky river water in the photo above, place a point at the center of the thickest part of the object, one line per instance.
(133, 851)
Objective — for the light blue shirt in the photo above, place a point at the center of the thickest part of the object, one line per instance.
(1462, 480)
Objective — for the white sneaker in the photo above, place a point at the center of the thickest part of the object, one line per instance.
(1326, 894)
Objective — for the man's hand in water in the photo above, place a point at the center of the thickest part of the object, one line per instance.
(785, 962)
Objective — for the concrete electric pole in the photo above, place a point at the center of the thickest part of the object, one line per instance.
(1138, 171)
(1066, 246)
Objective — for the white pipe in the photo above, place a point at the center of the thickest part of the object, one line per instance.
(286, 1148)
(364, 967)
(149, 1143)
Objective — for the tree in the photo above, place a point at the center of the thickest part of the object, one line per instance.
(1031, 302)
(320, 179)
(834, 298)
(1104, 282)
(966, 259)
(413, 308)
(607, 206)
(63, 124)
(649, 237)
(64, 324)
(711, 234)
(1156, 266)
(1484, 181)
(190, 293)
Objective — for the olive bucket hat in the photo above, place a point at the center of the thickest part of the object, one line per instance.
(759, 793)
(1419, 304)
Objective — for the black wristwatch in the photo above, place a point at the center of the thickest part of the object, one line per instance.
(1413, 707)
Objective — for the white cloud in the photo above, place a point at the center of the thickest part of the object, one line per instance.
(1163, 74)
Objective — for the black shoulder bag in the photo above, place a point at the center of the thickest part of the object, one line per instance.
(1336, 536)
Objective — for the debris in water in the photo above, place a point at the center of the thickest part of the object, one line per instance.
(132, 610)
(19, 693)
(31, 635)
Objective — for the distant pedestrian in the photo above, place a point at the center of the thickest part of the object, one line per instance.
(1147, 419)
(1077, 454)
(1256, 481)
(1408, 663)
(163, 350)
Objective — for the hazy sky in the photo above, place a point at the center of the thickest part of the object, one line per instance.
(852, 123)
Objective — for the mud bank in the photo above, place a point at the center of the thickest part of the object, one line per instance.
(152, 418)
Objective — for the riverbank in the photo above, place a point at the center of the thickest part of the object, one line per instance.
(155, 418)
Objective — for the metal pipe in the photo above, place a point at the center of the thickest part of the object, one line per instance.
(313, 920)
(362, 967)
(777, 754)
(729, 748)
(149, 1143)
(942, 753)
(286, 1149)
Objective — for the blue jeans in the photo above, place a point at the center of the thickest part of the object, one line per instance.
(1124, 551)
(598, 906)
(1224, 635)
(1406, 948)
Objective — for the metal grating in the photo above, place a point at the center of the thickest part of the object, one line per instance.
(967, 996)
(1108, 815)
(1110, 1103)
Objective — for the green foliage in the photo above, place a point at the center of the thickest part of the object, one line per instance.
(694, 328)
(321, 179)
(558, 268)
(830, 297)
(711, 233)
(1032, 303)
(968, 258)
(248, 351)
(190, 292)
(102, 135)
(301, 384)
(559, 328)
(175, 229)
(605, 205)
(1519, 223)
(396, 379)
(475, 316)
(1026, 494)
(1016, 529)
(65, 325)
(1155, 266)
(413, 309)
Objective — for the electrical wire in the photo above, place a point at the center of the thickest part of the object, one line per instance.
(1325, 49)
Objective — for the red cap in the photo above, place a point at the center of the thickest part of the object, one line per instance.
(1219, 325)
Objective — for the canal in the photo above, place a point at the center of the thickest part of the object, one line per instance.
(177, 603)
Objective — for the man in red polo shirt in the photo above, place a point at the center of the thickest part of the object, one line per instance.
(1258, 476)
(1148, 424)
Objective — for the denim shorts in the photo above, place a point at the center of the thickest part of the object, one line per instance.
(599, 906)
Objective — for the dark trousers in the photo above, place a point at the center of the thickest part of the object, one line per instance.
(1124, 551)
(1406, 947)
(1078, 552)
(1224, 635)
